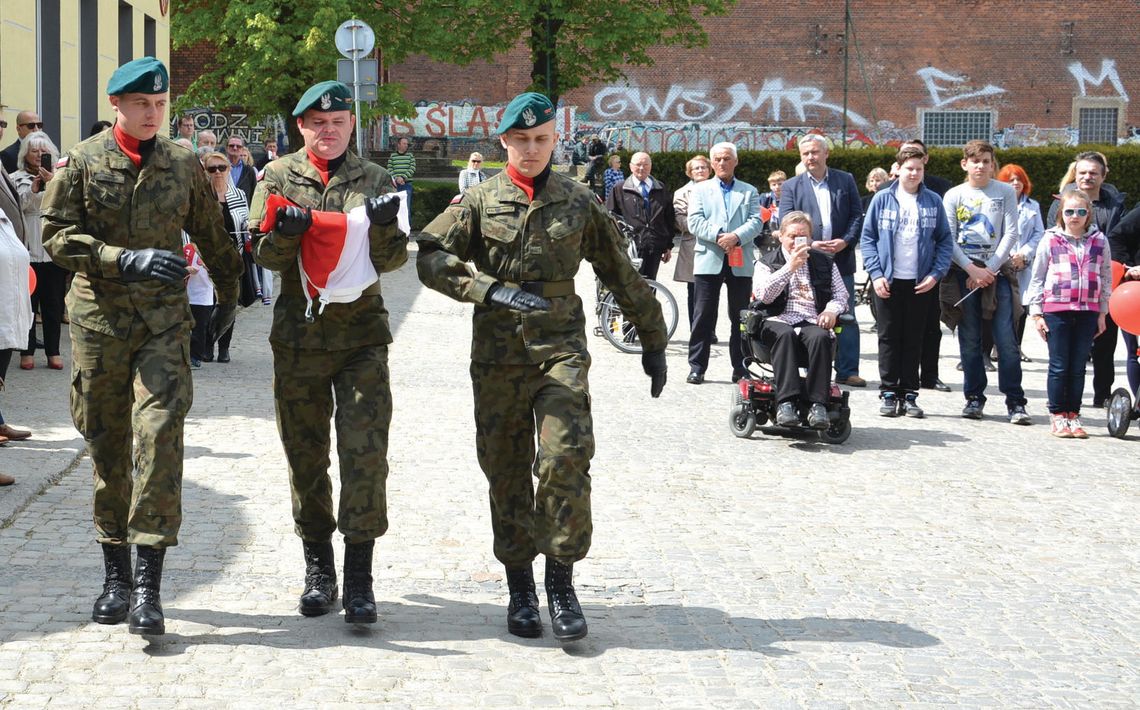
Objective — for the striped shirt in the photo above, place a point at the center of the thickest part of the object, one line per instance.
(768, 284)
(402, 165)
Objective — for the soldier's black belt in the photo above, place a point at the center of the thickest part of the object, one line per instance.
(549, 289)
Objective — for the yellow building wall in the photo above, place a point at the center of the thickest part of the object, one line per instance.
(19, 70)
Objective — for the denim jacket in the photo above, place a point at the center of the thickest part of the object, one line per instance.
(935, 245)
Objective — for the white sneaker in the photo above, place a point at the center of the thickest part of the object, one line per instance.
(1060, 423)
(1075, 429)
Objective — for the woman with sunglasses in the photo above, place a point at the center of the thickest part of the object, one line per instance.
(235, 213)
(473, 174)
(1068, 302)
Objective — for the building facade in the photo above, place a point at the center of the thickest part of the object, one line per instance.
(56, 57)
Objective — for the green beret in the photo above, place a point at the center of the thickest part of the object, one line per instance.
(325, 96)
(145, 75)
(526, 110)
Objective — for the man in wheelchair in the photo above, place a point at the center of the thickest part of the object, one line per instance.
(804, 294)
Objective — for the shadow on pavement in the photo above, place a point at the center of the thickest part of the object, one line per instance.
(428, 619)
(862, 437)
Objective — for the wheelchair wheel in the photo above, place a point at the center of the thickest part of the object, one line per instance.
(622, 333)
(741, 419)
(837, 433)
(1119, 413)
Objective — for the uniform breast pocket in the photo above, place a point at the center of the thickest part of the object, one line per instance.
(564, 236)
(109, 191)
(499, 231)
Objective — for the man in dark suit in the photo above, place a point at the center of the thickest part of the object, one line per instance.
(26, 122)
(831, 198)
(244, 176)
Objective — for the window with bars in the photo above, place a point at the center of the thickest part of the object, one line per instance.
(1098, 125)
(954, 128)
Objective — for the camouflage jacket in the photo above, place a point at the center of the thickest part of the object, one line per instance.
(99, 204)
(512, 240)
(342, 325)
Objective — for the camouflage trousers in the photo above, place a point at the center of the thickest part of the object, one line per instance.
(306, 385)
(134, 389)
(512, 403)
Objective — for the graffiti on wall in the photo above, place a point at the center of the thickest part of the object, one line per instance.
(226, 123)
(773, 100)
(653, 137)
(464, 120)
(1107, 73)
(946, 88)
(770, 115)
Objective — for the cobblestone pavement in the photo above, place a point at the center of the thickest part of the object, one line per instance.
(939, 562)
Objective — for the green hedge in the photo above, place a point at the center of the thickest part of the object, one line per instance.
(1045, 166)
(431, 197)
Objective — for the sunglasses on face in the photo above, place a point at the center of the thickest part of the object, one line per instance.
(476, 162)
(1075, 212)
(216, 169)
(36, 126)
(234, 146)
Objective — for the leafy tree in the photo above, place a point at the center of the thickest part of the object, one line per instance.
(572, 42)
(270, 51)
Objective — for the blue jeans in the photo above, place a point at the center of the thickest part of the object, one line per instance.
(847, 341)
(1070, 341)
(407, 187)
(1005, 340)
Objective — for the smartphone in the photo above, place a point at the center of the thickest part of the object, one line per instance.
(801, 242)
(46, 161)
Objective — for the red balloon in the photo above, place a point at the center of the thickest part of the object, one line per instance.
(1118, 270)
(31, 280)
(1124, 306)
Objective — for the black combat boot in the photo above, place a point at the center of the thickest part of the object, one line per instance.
(223, 355)
(359, 604)
(146, 604)
(523, 618)
(320, 579)
(112, 606)
(566, 619)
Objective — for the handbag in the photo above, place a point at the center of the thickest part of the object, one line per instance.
(248, 294)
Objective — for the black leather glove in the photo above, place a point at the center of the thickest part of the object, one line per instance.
(516, 299)
(223, 319)
(654, 365)
(143, 264)
(383, 210)
(292, 221)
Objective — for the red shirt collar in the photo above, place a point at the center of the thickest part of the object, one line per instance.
(129, 145)
(320, 164)
(522, 181)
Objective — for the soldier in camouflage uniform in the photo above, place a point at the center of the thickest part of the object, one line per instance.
(526, 231)
(332, 357)
(113, 214)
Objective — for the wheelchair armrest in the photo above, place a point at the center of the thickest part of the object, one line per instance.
(845, 319)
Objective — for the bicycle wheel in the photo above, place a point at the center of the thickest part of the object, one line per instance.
(668, 306)
(622, 333)
(615, 328)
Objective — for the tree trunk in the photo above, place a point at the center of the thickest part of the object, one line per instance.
(544, 53)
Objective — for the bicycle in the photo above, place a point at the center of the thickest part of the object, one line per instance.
(612, 323)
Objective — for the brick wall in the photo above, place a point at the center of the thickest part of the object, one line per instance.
(766, 76)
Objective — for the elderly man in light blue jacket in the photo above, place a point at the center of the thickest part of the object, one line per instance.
(724, 216)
